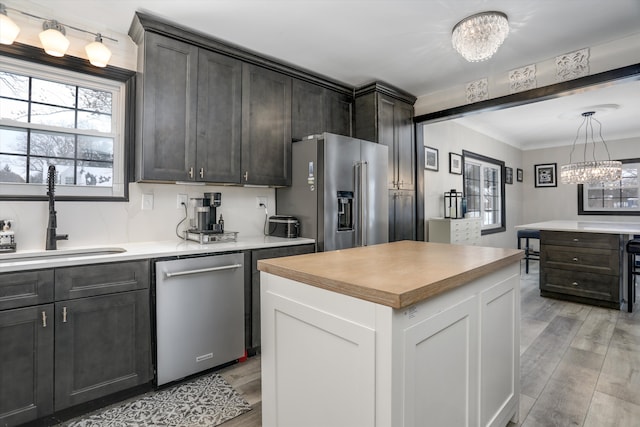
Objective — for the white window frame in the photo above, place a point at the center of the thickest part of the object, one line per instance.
(118, 91)
(486, 162)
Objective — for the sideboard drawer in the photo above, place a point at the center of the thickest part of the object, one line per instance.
(600, 261)
(582, 284)
(580, 240)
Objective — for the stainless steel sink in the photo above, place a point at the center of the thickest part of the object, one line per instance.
(61, 253)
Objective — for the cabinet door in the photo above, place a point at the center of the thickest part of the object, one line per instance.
(252, 317)
(102, 346)
(307, 110)
(338, 111)
(168, 97)
(405, 150)
(219, 129)
(266, 130)
(26, 364)
(386, 136)
(402, 215)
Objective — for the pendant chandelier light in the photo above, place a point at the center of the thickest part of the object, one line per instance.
(53, 37)
(590, 171)
(479, 36)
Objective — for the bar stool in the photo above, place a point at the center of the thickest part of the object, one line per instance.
(529, 254)
(633, 270)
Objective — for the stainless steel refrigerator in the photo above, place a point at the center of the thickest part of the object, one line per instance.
(338, 191)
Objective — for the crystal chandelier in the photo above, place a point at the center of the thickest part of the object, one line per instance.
(590, 171)
(479, 36)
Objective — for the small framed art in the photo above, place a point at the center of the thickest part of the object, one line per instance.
(519, 173)
(546, 175)
(455, 163)
(431, 158)
(508, 175)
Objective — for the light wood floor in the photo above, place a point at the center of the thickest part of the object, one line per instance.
(579, 365)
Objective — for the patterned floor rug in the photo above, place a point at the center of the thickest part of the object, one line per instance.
(205, 401)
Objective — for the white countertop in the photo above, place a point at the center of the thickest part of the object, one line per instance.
(140, 250)
(585, 226)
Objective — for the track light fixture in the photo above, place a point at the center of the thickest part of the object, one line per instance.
(53, 37)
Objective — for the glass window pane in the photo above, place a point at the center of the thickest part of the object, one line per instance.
(95, 173)
(13, 168)
(39, 167)
(94, 121)
(53, 93)
(53, 116)
(95, 148)
(14, 110)
(14, 85)
(52, 144)
(13, 140)
(94, 100)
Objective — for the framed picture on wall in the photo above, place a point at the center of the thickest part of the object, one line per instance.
(431, 158)
(519, 173)
(508, 175)
(455, 163)
(546, 175)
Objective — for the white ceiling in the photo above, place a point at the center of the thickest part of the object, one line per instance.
(403, 42)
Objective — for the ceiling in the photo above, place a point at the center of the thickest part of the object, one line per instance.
(406, 43)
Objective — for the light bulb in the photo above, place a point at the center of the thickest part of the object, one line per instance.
(53, 40)
(8, 29)
(98, 53)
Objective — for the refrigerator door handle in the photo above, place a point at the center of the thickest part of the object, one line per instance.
(362, 180)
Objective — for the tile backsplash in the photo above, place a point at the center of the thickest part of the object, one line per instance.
(150, 214)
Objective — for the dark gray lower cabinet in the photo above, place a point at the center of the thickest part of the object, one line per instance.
(26, 364)
(252, 290)
(402, 211)
(88, 339)
(102, 346)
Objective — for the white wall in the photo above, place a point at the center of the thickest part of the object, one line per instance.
(448, 137)
(110, 223)
(561, 202)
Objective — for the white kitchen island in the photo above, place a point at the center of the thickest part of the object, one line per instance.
(399, 334)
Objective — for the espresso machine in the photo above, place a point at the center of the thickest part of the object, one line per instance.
(205, 226)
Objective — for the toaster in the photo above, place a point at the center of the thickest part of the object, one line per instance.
(284, 226)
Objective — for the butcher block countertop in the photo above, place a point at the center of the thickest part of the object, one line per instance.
(396, 274)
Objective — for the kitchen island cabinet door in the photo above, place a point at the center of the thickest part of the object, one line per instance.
(102, 346)
(219, 129)
(26, 364)
(167, 103)
(266, 128)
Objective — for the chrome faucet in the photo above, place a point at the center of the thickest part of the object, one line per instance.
(52, 237)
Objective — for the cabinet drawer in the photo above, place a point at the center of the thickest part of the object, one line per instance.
(599, 261)
(583, 284)
(582, 240)
(25, 288)
(100, 279)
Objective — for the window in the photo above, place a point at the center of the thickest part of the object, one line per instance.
(483, 179)
(75, 121)
(616, 198)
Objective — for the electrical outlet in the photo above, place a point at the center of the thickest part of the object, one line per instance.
(147, 201)
(182, 198)
(261, 202)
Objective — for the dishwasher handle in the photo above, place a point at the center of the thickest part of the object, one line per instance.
(168, 275)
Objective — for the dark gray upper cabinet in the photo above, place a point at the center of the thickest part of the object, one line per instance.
(385, 115)
(317, 109)
(190, 108)
(266, 127)
(219, 130)
(26, 364)
(167, 100)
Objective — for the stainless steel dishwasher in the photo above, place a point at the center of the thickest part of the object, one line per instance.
(199, 314)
